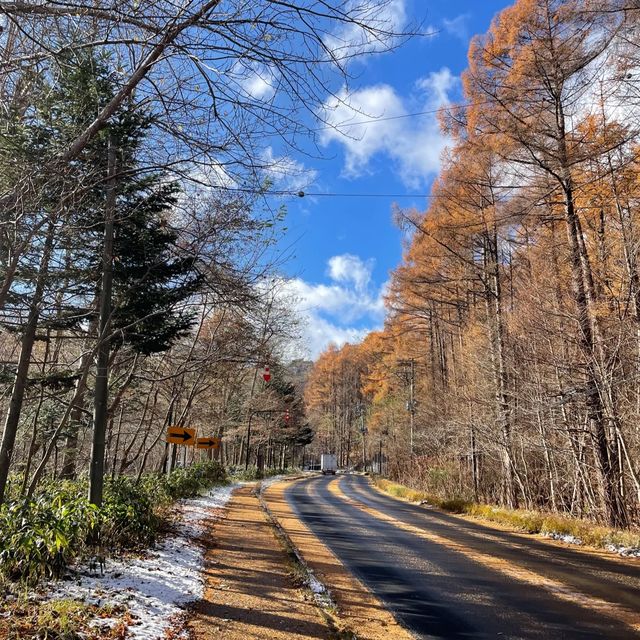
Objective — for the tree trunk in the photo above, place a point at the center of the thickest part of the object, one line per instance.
(26, 349)
(101, 393)
(583, 289)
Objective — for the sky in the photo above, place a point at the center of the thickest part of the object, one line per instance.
(343, 248)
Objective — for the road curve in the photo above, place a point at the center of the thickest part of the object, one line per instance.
(448, 577)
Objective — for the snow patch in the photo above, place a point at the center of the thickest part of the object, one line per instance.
(267, 482)
(564, 537)
(627, 552)
(154, 588)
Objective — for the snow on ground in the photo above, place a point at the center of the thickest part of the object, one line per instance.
(156, 587)
(626, 552)
(564, 537)
(267, 482)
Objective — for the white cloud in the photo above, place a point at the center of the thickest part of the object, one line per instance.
(320, 333)
(340, 311)
(349, 268)
(286, 173)
(349, 38)
(413, 143)
(260, 83)
(438, 85)
(458, 26)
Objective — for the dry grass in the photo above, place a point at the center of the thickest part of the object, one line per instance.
(521, 519)
(24, 619)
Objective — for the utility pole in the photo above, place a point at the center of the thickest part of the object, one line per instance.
(255, 378)
(248, 452)
(363, 431)
(411, 403)
(364, 442)
(101, 396)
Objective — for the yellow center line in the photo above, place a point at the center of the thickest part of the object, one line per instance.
(558, 589)
(358, 607)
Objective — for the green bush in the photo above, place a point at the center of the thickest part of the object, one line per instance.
(188, 482)
(128, 516)
(42, 536)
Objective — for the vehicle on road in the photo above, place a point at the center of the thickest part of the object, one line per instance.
(328, 464)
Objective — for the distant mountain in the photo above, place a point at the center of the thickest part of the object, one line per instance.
(298, 372)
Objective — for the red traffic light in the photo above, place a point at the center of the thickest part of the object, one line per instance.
(266, 376)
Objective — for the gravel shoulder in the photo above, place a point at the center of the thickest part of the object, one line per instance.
(251, 588)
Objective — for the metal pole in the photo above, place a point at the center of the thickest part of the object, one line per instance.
(246, 463)
(364, 440)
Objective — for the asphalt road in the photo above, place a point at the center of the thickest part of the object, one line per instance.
(464, 580)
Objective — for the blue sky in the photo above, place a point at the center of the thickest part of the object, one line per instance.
(345, 247)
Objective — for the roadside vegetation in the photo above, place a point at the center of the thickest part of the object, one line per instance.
(46, 534)
(58, 620)
(253, 473)
(552, 524)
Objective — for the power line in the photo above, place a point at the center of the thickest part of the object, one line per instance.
(429, 112)
(381, 119)
(303, 194)
(317, 194)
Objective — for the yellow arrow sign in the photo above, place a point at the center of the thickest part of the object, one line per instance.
(208, 443)
(181, 435)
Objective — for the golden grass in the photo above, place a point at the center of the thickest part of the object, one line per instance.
(64, 619)
(520, 519)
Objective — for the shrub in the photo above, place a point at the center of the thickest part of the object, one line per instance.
(128, 515)
(189, 482)
(41, 537)
(250, 474)
(455, 505)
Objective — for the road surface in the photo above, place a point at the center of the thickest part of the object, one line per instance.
(448, 577)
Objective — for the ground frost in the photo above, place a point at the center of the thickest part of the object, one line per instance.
(156, 587)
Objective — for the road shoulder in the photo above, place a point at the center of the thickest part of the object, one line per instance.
(558, 543)
(357, 608)
(251, 591)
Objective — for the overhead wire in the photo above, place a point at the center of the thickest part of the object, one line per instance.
(337, 127)
(428, 112)
(318, 194)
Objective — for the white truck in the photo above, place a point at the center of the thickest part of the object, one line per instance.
(328, 464)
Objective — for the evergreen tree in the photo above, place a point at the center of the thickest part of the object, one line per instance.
(58, 279)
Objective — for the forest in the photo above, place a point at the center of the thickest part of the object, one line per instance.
(141, 282)
(507, 371)
(142, 261)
